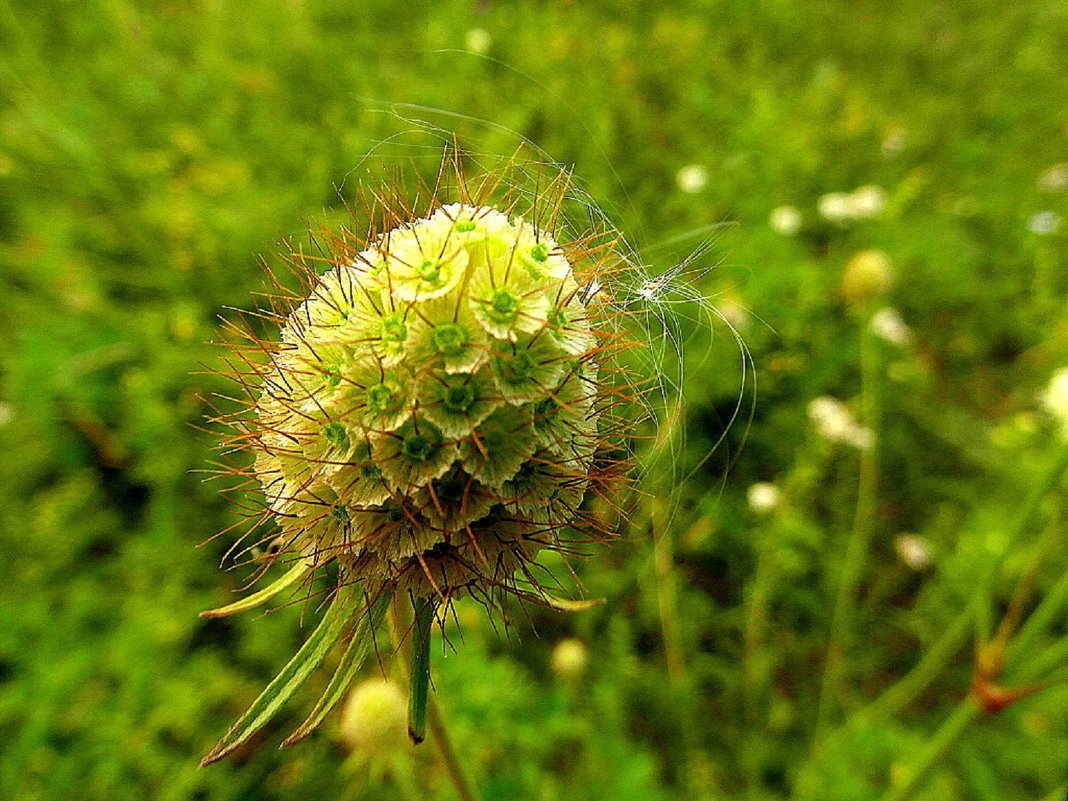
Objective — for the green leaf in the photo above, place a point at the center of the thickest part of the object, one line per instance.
(263, 595)
(285, 683)
(419, 686)
(353, 658)
(561, 604)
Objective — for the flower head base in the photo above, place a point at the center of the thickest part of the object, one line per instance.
(437, 405)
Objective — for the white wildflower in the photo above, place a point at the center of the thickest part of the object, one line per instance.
(785, 220)
(569, 658)
(913, 550)
(691, 179)
(835, 207)
(866, 202)
(375, 717)
(834, 422)
(1044, 223)
(868, 274)
(763, 497)
(888, 326)
(734, 313)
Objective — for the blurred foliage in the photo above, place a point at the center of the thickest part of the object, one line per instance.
(151, 154)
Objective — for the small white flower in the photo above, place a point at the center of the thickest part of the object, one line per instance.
(913, 550)
(1054, 179)
(1044, 223)
(1055, 399)
(834, 422)
(835, 207)
(763, 497)
(888, 325)
(785, 220)
(691, 179)
(866, 202)
(478, 41)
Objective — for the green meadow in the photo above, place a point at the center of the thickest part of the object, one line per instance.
(844, 576)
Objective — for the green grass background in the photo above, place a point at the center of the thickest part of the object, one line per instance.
(151, 153)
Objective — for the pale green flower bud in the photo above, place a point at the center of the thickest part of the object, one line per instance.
(374, 717)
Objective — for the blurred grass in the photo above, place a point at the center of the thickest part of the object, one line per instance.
(151, 153)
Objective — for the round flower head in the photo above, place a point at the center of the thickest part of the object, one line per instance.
(434, 411)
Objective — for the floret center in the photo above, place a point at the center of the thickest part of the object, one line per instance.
(394, 329)
(503, 306)
(449, 339)
(540, 252)
(430, 270)
(384, 397)
(459, 398)
(418, 447)
(517, 368)
(336, 435)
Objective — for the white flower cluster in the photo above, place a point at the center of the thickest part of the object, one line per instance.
(845, 207)
(836, 423)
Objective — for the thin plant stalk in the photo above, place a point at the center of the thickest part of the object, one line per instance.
(445, 748)
(948, 645)
(439, 731)
(856, 556)
(1049, 608)
(667, 606)
(754, 665)
(936, 749)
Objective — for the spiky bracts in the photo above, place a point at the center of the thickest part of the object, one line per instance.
(439, 403)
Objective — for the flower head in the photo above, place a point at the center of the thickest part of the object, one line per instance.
(436, 407)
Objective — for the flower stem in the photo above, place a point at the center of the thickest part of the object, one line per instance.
(956, 633)
(945, 738)
(431, 716)
(448, 755)
(857, 548)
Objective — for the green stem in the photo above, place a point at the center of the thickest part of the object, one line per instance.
(401, 772)
(1049, 609)
(1044, 664)
(755, 664)
(937, 747)
(419, 669)
(442, 741)
(938, 656)
(908, 689)
(666, 594)
(856, 554)
(1024, 521)
(448, 755)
